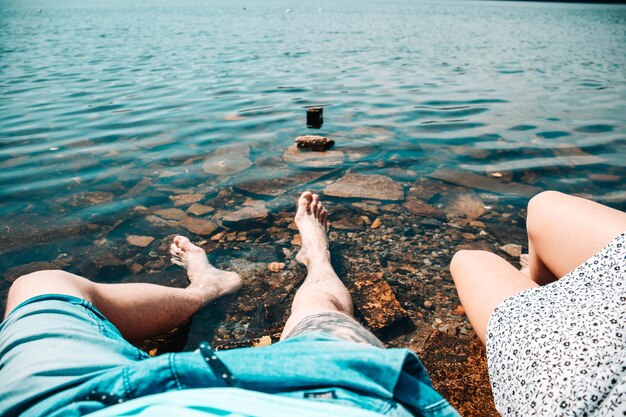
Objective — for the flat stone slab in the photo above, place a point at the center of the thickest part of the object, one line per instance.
(199, 209)
(199, 226)
(279, 186)
(141, 241)
(228, 160)
(467, 206)
(245, 217)
(512, 249)
(375, 187)
(313, 159)
(377, 304)
(421, 208)
(482, 182)
(90, 198)
(347, 223)
(171, 214)
(186, 199)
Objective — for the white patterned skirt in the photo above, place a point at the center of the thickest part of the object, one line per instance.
(560, 349)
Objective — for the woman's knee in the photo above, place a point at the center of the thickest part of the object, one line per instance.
(540, 207)
(465, 260)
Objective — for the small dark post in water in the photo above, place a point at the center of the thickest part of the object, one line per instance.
(315, 117)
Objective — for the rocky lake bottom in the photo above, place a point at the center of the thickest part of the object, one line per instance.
(391, 242)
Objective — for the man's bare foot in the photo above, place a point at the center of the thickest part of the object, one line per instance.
(312, 221)
(212, 282)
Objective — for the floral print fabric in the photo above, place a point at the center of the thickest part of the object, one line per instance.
(560, 349)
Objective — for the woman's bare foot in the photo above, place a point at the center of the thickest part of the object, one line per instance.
(312, 221)
(212, 282)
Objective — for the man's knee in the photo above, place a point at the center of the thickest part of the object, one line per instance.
(47, 282)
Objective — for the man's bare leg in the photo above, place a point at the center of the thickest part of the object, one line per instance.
(322, 290)
(139, 311)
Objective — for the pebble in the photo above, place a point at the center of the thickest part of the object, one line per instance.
(512, 249)
(476, 223)
(263, 341)
(376, 223)
(428, 304)
(276, 266)
(459, 310)
(136, 268)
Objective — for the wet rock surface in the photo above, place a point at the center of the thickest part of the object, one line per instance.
(376, 187)
(482, 182)
(228, 160)
(314, 143)
(313, 159)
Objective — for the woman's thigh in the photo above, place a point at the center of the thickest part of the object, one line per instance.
(564, 231)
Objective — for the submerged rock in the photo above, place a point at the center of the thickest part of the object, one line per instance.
(282, 184)
(16, 272)
(482, 182)
(314, 143)
(377, 304)
(87, 198)
(171, 214)
(228, 160)
(467, 206)
(420, 208)
(141, 241)
(246, 217)
(276, 267)
(198, 226)
(347, 223)
(313, 159)
(105, 266)
(186, 199)
(199, 209)
(512, 250)
(377, 187)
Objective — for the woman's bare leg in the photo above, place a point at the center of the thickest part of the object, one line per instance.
(564, 231)
(139, 311)
(322, 290)
(483, 280)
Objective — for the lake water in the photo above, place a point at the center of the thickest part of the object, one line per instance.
(109, 109)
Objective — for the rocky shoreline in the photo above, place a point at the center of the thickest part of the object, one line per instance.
(391, 242)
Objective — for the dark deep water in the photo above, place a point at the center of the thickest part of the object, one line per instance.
(112, 112)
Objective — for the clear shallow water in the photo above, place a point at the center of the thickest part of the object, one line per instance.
(132, 98)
